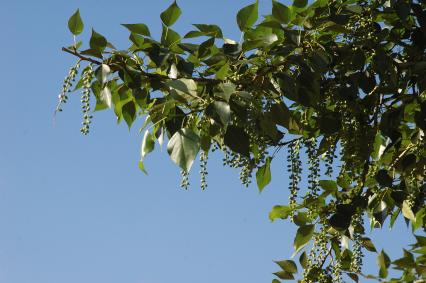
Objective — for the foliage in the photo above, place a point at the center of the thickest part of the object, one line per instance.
(344, 81)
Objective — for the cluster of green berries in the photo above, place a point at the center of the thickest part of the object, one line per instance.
(317, 257)
(336, 270)
(87, 77)
(184, 184)
(330, 155)
(314, 172)
(246, 172)
(66, 86)
(313, 166)
(203, 169)
(351, 153)
(294, 168)
(357, 254)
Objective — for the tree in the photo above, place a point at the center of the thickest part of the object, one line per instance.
(343, 80)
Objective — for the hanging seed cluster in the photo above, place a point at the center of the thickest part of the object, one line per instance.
(203, 169)
(184, 184)
(330, 155)
(336, 270)
(314, 172)
(294, 168)
(66, 86)
(313, 166)
(87, 77)
(357, 254)
(316, 259)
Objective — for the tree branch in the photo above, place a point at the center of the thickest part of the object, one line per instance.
(75, 53)
(144, 73)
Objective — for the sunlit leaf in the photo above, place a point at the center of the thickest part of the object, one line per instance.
(75, 23)
(183, 147)
(141, 29)
(263, 175)
(281, 12)
(303, 236)
(171, 14)
(247, 16)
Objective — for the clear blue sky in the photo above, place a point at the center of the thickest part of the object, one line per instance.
(76, 208)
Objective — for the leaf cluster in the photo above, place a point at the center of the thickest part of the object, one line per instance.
(347, 74)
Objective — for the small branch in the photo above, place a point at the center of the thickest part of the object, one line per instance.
(75, 53)
(289, 142)
(325, 257)
(281, 145)
(373, 91)
(144, 73)
(401, 155)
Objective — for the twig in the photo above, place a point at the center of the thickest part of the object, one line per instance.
(401, 155)
(75, 53)
(143, 73)
(281, 145)
(325, 257)
(289, 142)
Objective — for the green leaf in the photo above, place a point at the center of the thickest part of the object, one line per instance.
(419, 219)
(394, 217)
(281, 12)
(378, 146)
(171, 14)
(136, 39)
(340, 221)
(183, 89)
(75, 24)
(301, 218)
(300, 3)
(303, 236)
(222, 73)
(407, 211)
(219, 111)
(148, 144)
(97, 41)
(368, 244)
(284, 275)
(328, 185)
(303, 260)
(205, 48)
(142, 167)
(141, 29)
(193, 33)
(263, 175)
(383, 262)
(210, 30)
(169, 37)
(402, 10)
(405, 262)
(226, 90)
(280, 211)
(129, 113)
(281, 114)
(287, 265)
(237, 140)
(183, 147)
(383, 178)
(247, 16)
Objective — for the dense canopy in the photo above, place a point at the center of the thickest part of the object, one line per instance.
(343, 81)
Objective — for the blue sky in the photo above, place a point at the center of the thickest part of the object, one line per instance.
(76, 208)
